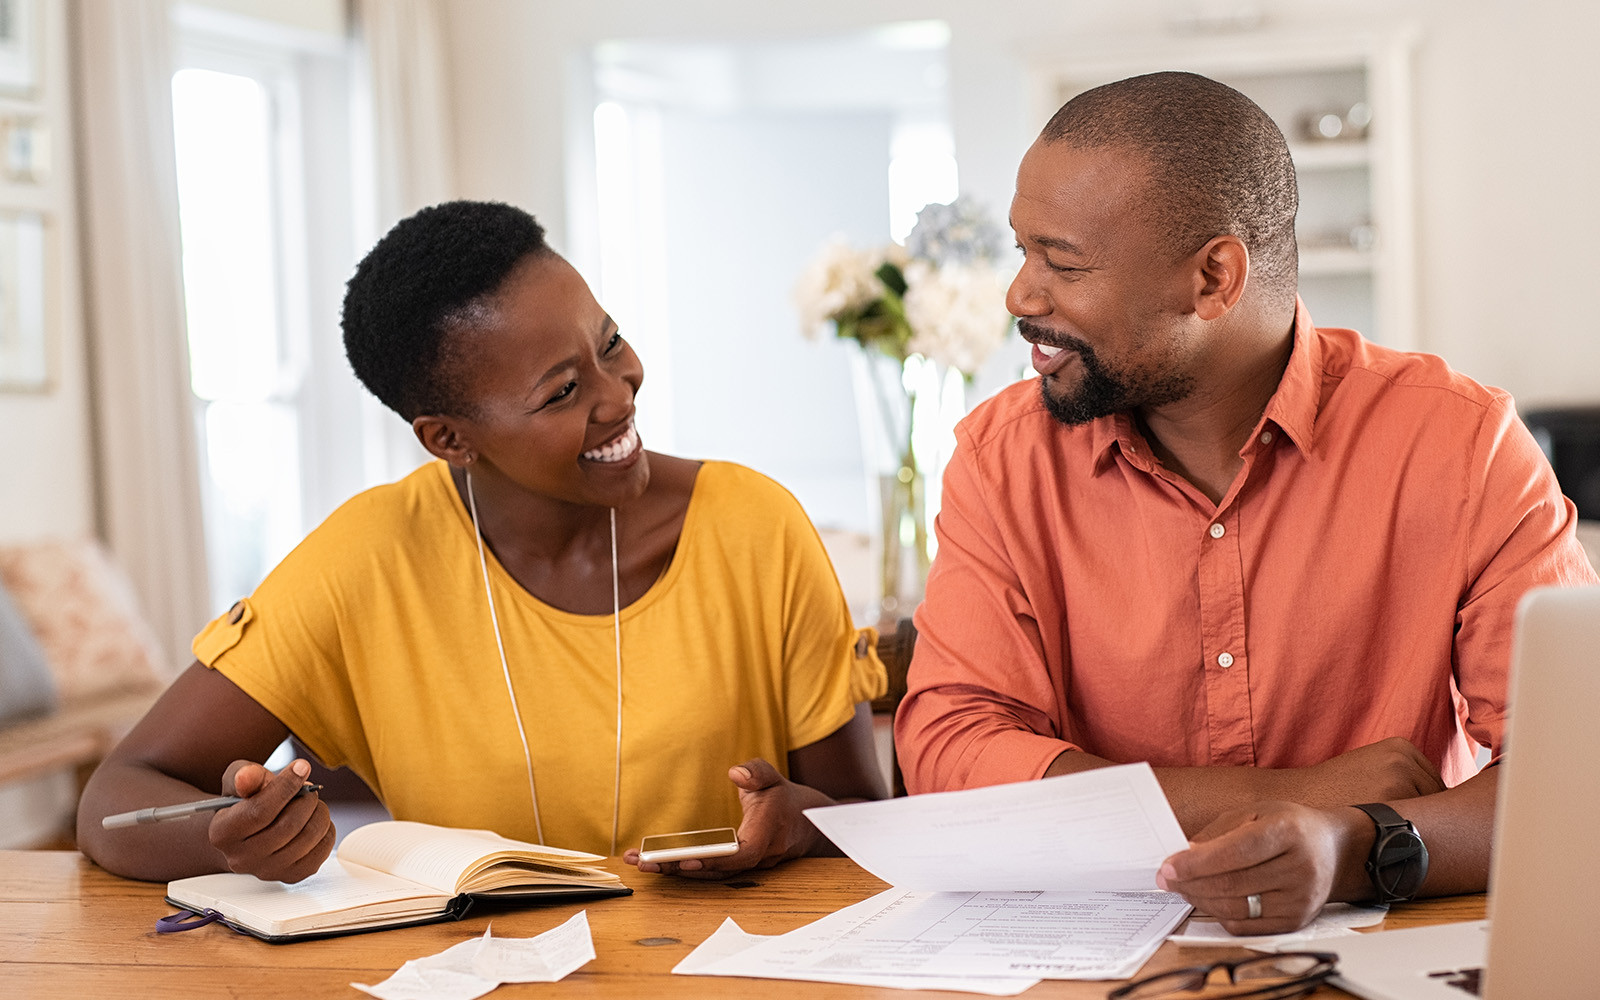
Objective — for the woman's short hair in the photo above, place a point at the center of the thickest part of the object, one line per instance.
(417, 285)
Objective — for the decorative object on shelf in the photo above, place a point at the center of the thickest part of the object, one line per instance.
(925, 316)
(1341, 125)
(1358, 235)
(19, 47)
(24, 150)
(24, 350)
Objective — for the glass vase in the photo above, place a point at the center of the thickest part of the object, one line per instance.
(888, 400)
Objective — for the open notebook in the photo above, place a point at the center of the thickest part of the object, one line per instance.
(396, 874)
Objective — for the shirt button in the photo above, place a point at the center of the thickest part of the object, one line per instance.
(1224, 660)
(1217, 531)
(1266, 437)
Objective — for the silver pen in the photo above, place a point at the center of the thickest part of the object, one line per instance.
(160, 814)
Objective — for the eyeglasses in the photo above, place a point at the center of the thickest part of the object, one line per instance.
(1265, 977)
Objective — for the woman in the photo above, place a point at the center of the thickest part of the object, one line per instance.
(548, 632)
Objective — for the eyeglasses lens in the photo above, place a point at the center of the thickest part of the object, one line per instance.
(1270, 977)
(1183, 982)
(1270, 967)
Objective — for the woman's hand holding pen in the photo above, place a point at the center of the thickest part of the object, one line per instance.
(275, 833)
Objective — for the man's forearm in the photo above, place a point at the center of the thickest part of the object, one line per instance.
(1456, 825)
(1385, 771)
(1199, 795)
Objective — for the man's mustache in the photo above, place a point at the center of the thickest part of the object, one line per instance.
(1037, 334)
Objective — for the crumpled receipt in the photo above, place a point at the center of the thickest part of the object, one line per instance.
(476, 966)
(1335, 920)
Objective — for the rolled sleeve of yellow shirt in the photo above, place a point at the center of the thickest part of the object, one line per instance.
(373, 643)
(1358, 581)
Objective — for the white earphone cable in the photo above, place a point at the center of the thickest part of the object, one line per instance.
(505, 669)
(616, 632)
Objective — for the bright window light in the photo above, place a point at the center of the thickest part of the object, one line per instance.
(632, 225)
(222, 128)
(922, 171)
(247, 418)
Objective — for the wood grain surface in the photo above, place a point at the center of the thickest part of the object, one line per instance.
(69, 929)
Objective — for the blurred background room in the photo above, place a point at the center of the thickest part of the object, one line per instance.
(185, 185)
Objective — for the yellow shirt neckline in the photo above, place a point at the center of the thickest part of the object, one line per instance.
(503, 580)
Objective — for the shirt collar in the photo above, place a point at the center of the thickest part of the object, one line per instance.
(1293, 407)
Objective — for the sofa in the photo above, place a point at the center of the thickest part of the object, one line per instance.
(78, 667)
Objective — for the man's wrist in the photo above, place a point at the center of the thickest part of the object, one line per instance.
(1356, 835)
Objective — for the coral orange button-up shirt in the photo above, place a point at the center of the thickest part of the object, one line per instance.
(1357, 581)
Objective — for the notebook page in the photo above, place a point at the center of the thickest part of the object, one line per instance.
(336, 888)
(435, 856)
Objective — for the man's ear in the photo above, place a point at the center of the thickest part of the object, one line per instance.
(444, 439)
(1223, 267)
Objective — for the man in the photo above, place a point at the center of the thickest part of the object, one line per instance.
(1279, 563)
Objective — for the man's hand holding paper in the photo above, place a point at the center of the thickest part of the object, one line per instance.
(1107, 829)
(1051, 879)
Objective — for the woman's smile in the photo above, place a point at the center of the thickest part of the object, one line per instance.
(619, 449)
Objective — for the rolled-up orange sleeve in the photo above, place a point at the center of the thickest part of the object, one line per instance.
(977, 709)
(1520, 535)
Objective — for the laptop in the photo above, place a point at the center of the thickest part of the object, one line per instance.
(1544, 880)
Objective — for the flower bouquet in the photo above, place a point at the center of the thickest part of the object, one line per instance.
(933, 307)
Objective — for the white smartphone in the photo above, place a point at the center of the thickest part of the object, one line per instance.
(689, 844)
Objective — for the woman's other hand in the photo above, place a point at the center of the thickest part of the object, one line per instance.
(774, 828)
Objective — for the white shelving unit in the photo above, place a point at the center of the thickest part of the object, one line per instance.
(1355, 228)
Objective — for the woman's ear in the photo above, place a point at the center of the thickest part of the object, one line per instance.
(1224, 267)
(444, 439)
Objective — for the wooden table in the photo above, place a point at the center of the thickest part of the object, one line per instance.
(68, 929)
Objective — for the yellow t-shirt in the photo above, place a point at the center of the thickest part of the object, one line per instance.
(372, 642)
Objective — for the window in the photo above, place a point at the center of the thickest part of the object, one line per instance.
(261, 131)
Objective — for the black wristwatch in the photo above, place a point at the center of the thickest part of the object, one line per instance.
(1399, 859)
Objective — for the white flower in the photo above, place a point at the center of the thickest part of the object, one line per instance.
(957, 313)
(958, 233)
(838, 281)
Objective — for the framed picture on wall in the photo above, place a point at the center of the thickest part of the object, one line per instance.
(19, 46)
(24, 149)
(24, 342)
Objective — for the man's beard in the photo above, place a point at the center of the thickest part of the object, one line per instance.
(1103, 390)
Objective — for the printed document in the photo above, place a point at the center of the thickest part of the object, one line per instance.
(1108, 828)
(1051, 879)
(730, 939)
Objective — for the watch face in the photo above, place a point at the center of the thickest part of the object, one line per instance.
(1399, 864)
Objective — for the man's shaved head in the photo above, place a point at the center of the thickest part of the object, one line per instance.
(1217, 164)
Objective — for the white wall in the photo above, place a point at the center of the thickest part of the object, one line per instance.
(1508, 139)
(747, 388)
(46, 487)
(1506, 134)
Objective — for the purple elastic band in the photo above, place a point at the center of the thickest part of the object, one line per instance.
(186, 920)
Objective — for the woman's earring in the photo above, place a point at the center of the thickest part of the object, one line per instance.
(468, 458)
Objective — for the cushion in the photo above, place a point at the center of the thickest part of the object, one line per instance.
(26, 685)
(82, 612)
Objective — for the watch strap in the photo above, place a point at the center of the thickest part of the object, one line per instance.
(1398, 862)
(1385, 817)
